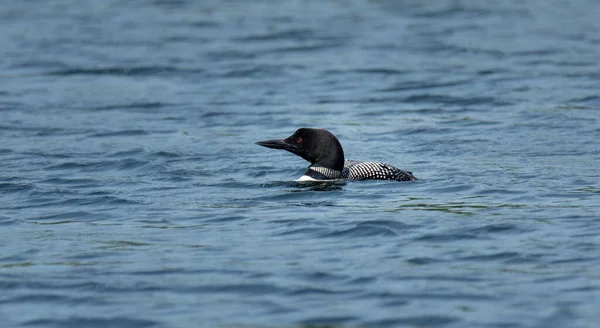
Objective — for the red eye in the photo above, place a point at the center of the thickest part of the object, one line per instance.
(299, 140)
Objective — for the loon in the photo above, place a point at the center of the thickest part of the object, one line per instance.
(326, 156)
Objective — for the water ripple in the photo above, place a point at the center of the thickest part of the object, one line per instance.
(120, 71)
(122, 164)
(92, 322)
(415, 321)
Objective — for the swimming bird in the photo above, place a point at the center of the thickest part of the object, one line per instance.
(326, 156)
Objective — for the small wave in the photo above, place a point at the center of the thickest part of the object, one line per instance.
(11, 188)
(305, 48)
(67, 217)
(251, 289)
(327, 321)
(300, 291)
(379, 71)
(226, 219)
(164, 154)
(5, 221)
(363, 230)
(123, 133)
(127, 153)
(292, 34)
(301, 231)
(118, 71)
(93, 322)
(452, 100)
(258, 71)
(422, 261)
(414, 321)
(134, 105)
(500, 256)
(118, 165)
(72, 182)
(228, 55)
(205, 24)
(502, 228)
(418, 85)
(446, 237)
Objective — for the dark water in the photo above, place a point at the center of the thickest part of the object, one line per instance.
(132, 193)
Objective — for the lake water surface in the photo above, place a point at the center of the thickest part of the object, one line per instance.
(132, 193)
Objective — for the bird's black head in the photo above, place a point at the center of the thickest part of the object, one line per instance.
(317, 146)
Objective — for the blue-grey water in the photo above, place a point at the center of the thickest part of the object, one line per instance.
(132, 193)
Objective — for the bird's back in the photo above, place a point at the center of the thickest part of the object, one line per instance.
(355, 170)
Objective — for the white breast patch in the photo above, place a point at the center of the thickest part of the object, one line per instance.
(307, 178)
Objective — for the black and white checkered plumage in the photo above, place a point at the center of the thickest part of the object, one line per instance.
(324, 151)
(355, 170)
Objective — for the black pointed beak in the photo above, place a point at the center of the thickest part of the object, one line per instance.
(278, 144)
